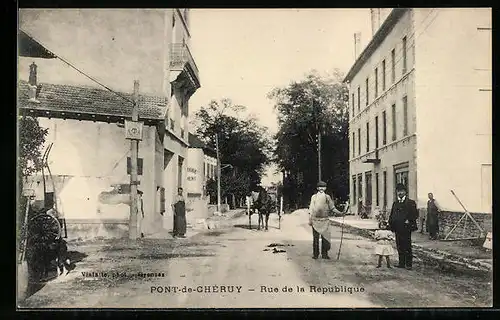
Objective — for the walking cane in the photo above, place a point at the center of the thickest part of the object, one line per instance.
(342, 228)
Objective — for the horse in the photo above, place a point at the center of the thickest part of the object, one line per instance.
(263, 205)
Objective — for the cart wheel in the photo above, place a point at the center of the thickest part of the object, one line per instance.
(44, 228)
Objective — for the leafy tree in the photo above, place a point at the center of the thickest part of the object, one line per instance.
(243, 143)
(31, 139)
(305, 108)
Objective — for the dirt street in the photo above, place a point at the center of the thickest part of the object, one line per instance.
(233, 267)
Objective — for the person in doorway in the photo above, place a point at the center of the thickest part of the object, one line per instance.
(179, 208)
(433, 211)
(140, 213)
(362, 209)
(319, 208)
(403, 221)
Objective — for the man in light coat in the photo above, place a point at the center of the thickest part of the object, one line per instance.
(319, 209)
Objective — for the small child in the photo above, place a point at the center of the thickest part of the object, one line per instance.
(383, 247)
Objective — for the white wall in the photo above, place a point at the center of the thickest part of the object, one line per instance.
(86, 160)
(453, 116)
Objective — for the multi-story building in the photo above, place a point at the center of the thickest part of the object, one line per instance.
(115, 47)
(420, 109)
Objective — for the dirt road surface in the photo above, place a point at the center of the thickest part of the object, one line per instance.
(234, 267)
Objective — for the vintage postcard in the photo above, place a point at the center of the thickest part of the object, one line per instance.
(254, 158)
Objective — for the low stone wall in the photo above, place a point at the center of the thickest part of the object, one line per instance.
(92, 230)
(448, 219)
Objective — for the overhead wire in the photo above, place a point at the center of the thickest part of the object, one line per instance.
(78, 70)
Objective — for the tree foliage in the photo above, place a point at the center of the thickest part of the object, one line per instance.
(314, 104)
(31, 140)
(243, 143)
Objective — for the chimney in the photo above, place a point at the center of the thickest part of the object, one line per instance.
(375, 19)
(357, 45)
(32, 85)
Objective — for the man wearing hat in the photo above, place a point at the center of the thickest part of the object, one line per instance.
(320, 207)
(403, 221)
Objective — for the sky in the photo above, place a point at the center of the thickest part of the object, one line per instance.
(242, 54)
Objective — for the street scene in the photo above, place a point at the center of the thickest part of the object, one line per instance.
(254, 158)
(254, 275)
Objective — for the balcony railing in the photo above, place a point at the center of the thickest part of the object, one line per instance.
(180, 55)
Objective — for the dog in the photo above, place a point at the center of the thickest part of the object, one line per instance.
(44, 257)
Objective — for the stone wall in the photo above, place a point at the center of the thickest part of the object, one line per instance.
(448, 219)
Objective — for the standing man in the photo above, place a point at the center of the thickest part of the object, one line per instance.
(432, 217)
(320, 207)
(403, 221)
(140, 212)
(179, 208)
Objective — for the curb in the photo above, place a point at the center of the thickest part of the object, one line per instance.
(430, 256)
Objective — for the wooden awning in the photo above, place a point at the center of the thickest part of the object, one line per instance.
(29, 47)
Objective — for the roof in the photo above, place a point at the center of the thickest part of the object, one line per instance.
(377, 39)
(65, 101)
(195, 142)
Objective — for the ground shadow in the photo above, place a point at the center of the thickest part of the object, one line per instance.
(36, 284)
(254, 227)
(164, 256)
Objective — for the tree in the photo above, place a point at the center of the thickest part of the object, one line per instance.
(243, 143)
(31, 139)
(314, 104)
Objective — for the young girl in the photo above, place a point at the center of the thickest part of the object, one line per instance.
(383, 247)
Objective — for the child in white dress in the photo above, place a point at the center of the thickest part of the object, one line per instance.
(383, 248)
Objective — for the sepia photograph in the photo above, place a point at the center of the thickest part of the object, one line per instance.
(254, 158)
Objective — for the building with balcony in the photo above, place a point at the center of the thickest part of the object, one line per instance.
(420, 110)
(115, 47)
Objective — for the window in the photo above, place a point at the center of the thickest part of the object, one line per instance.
(393, 63)
(179, 172)
(401, 176)
(383, 75)
(393, 122)
(354, 190)
(352, 104)
(359, 141)
(376, 83)
(385, 189)
(377, 202)
(384, 128)
(376, 132)
(360, 185)
(359, 99)
(404, 56)
(367, 91)
(405, 115)
(368, 190)
(367, 136)
(353, 144)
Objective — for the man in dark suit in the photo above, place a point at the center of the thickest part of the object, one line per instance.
(402, 221)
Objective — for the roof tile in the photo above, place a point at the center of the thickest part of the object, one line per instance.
(81, 99)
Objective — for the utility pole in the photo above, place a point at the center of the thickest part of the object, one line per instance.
(134, 148)
(318, 129)
(218, 172)
(319, 152)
